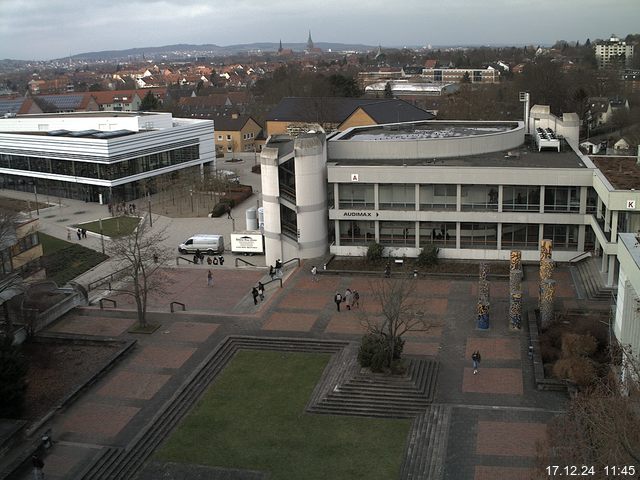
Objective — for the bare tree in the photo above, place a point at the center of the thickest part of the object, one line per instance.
(11, 283)
(601, 426)
(402, 312)
(140, 256)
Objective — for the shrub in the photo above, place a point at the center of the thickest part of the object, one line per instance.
(579, 370)
(375, 252)
(374, 353)
(575, 345)
(13, 371)
(221, 207)
(256, 169)
(428, 256)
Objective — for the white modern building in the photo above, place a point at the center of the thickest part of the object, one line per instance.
(476, 190)
(100, 156)
(613, 52)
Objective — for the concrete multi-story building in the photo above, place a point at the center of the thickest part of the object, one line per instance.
(613, 53)
(457, 75)
(100, 156)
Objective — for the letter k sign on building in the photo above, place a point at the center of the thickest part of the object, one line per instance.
(631, 204)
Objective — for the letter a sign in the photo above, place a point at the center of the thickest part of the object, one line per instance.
(354, 177)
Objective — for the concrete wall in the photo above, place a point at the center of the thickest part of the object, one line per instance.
(429, 147)
(271, 204)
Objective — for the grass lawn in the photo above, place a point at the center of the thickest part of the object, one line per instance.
(64, 261)
(112, 227)
(253, 418)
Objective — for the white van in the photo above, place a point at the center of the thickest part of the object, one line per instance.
(207, 244)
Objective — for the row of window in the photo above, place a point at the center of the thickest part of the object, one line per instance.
(22, 245)
(472, 235)
(473, 197)
(112, 171)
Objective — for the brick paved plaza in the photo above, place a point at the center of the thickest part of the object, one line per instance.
(497, 415)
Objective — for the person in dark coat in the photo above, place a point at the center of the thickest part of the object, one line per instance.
(38, 465)
(475, 358)
(272, 272)
(254, 294)
(338, 300)
(261, 290)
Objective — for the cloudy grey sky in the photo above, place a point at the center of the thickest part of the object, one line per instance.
(46, 29)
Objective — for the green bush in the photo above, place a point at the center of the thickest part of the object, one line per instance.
(375, 252)
(374, 353)
(13, 385)
(428, 256)
(220, 208)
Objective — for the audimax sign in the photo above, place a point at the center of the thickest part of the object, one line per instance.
(360, 214)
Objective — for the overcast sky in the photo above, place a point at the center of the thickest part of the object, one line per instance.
(46, 29)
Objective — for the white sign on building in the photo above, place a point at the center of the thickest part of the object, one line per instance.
(355, 177)
(631, 204)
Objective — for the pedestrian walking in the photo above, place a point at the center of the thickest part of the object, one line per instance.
(84, 233)
(348, 298)
(79, 233)
(228, 211)
(272, 272)
(68, 234)
(209, 279)
(278, 268)
(314, 273)
(220, 259)
(38, 466)
(387, 271)
(254, 294)
(209, 261)
(356, 299)
(261, 290)
(338, 300)
(475, 357)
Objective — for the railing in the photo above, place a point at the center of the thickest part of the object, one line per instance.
(296, 259)
(185, 259)
(579, 257)
(102, 300)
(177, 303)
(108, 279)
(243, 261)
(277, 279)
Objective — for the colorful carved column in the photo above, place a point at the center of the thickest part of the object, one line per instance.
(483, 297)
(547, 291)
(515, 310)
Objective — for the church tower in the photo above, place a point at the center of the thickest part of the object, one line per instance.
(280, 47)
(309, 42)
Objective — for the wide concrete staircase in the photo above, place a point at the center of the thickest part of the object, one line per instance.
(587, 272)
(355, 392)
(427, 445)
(116, 463)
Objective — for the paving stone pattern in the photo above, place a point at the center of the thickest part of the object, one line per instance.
(459, 432)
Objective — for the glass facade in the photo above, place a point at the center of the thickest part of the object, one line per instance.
(440, 234)
(287, 180)
(289, 222)
(397, 196)
(104, 171)
(356, 196)
(564, 237)
(398, 234)
(520, 235)
(438, 197)
(357, 232)
(480, 197)
(479, 235)
(562, 199)
(520, 199)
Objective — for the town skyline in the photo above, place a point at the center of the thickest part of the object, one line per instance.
(51, 30)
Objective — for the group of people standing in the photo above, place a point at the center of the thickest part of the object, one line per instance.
(276, 271)
(198, 258)
(351, 299)
(81, 233)
(122, 208)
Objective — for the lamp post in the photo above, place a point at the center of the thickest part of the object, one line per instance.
(35, 192)
(150, 216)
(101, 235)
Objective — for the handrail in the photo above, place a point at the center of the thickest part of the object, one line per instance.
(277, 279)
(115, 305)
(292, 260)
(577, 257)
(106, 279)
(184, 258)
(177, 303)
(243, 261)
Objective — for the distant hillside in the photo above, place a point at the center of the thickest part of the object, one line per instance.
(182, 50)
